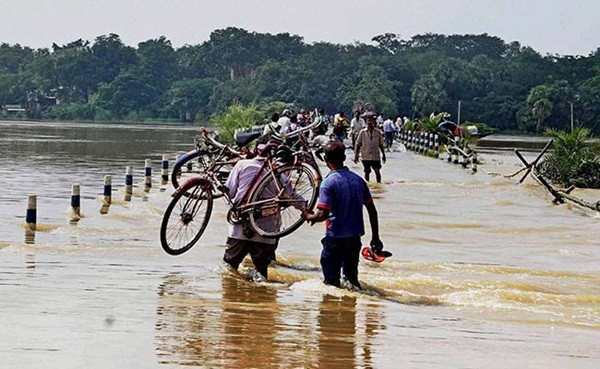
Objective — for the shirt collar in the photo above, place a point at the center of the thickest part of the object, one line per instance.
(343, 169)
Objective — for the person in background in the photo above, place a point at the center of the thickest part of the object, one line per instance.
(323, 125)
(417, 125)
(356, 125)
(399, 123)
(340, 127)
(301, 118)
(388, 131)
(273, 126)
(342, 196)
(379, 121)
(293, 124)
(368, 144)
(284, 121)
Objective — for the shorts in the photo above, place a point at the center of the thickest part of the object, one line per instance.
(261, 253)
(368, 164)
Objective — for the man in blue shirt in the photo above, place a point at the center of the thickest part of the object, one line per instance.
(341, 198)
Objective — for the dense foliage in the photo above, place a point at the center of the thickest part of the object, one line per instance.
(508, 86)
(574, 160)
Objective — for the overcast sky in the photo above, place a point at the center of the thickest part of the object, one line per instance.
(549, 26)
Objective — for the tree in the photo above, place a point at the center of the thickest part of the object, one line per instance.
(191, 96)
(111, 57)
(374, 88)
(539, 102)
(130, 92)
(428, 95)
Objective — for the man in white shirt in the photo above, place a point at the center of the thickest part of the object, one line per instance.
(388, 131)
(285, 122)
(356, 125)
(379, 121)
(368, 144)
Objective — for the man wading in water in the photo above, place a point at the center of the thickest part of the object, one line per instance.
(369, 143)
(341, 197)
(242, 240)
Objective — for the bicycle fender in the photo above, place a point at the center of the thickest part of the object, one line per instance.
(316, 174)
(193, 181)
(187, 155)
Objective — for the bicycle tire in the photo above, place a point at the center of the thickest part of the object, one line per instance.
(190, 205)
(183, 162)
(271, 219)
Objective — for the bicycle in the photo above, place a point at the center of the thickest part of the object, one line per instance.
(208, 148)
(284, 185)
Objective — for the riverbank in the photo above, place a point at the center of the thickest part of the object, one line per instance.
(162, 122)
(500, 141)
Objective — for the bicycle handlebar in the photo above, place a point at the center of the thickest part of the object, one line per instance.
(206, 133)
(297, 132)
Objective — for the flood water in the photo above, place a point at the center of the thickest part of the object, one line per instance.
(485, 272)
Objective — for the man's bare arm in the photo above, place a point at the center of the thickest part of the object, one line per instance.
(374, 220)
(320, 216)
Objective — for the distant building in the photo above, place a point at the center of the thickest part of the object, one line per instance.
(12, 109)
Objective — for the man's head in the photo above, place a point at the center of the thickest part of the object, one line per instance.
(335, 154)
(370, 119)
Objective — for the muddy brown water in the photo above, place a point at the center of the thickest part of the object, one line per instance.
(485, 273)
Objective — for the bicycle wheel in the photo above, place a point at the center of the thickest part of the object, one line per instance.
(190, 158)
(279, 197)
(198, 161)
(186, 217)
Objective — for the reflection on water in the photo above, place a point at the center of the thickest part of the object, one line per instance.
(337, 332)
(253, 326)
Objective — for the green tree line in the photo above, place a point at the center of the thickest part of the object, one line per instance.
(505, 85)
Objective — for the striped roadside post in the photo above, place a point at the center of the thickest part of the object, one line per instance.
(75, 202)
(31, 215)
(436, 145)
(456, 147)
(147, 175)
(107, 189)
(128, 183)
(431, 142)
(165, 169)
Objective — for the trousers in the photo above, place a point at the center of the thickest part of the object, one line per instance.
(340, 254)
(261, 253)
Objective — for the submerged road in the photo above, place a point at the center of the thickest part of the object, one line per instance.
(485, 273)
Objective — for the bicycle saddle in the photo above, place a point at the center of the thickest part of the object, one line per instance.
(242, 138)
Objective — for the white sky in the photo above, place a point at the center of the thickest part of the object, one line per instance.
(549, 26)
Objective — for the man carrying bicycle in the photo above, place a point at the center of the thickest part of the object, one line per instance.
(242, 239)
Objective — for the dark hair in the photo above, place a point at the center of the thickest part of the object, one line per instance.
(274, 117)
(335, 152)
